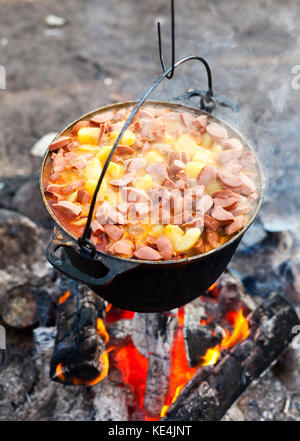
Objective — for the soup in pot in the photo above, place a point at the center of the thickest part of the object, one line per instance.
(178, 184)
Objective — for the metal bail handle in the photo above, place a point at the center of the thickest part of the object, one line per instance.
(86, 246)
(208, 102)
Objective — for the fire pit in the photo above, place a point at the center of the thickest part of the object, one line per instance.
(186, 364)
(108, 364)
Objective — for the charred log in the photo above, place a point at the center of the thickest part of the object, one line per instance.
(198, 337)
(161, 329)
(214, 389)
(79, 353)
(153, 335)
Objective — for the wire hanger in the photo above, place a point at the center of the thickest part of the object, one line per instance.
(170, 75)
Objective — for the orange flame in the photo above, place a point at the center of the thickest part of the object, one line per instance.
(113, 314)
(133, 367)
(240, 333)
(181, 372)
(102, 330)
(80, 381)
(64, 297)
(59, 372)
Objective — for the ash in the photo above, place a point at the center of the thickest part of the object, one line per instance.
(63, 73)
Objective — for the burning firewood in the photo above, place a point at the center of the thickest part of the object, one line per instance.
(79, 355)
(213, 389)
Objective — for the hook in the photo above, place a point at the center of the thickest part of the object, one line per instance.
(170, 75)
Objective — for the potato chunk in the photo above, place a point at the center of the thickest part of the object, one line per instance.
(89, 135)
(205, 156)
(182, 241)
(153, 156)
(128, 137)
(193, 168)
(185, 143)
(93, 169)
(114, 170)
(144, 183)
(103, 153)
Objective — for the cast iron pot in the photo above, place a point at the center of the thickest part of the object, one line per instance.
(139, 285)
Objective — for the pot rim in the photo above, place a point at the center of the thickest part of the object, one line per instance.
(177, 105)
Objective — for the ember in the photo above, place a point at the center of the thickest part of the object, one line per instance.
(134, 366)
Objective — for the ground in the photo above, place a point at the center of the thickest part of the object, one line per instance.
(107, 52)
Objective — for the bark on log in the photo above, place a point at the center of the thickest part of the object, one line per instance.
(78, 346)
(198, 338)
(157, 332)
(214, 389)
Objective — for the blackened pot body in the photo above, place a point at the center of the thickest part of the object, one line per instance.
(154, 288)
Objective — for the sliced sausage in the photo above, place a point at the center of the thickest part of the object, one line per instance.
(153, 130)
(145, 114)
(196, 221)
(227, 203)
(232, 143)
(120, 115)
(72, 146)
(248, 186)
(124, 181)
(158, 170)
(59, 142)
(235, 226)
(228, 180)
(124, 150)
(187, 119)
(115, 232)
(75, 185)
(207, 174)
(164, 247)
(226, 194)
(54, 188)
(204, 204)
(210, 223)
(139, 210)
(221, 215)
(147, 253)
(107, 214)
(228, 155)
(131, 194)
(232, 167)
(176, 167)
(200, 246)
(59, 162)
(68, 208)
(83, 197)
(169, 183)
(216, 131)
(213, 238)
(122, 247)
(102, 243)
(97, 228)
(136, 164)
(200, 122)
(101, 118)
(243, 207)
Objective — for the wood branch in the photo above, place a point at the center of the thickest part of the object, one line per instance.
(214, 389)
(78, 346)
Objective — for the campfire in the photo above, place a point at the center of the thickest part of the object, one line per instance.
(212, 343)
